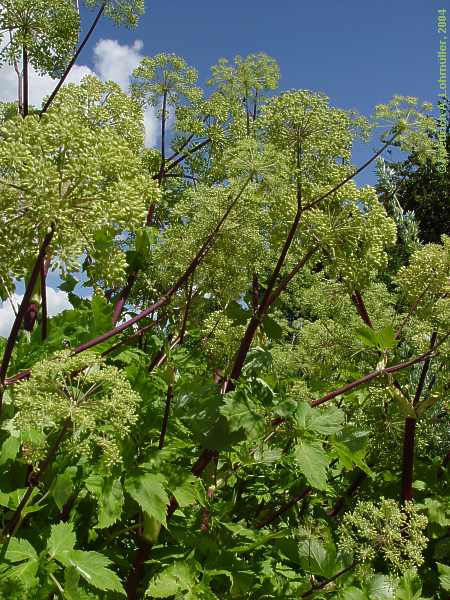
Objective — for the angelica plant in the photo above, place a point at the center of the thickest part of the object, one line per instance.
(93, 401)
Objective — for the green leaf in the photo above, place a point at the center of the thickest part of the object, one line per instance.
(25, 572)
(62, 539)
(318, 558)
(20, 549)
(92, 567)
(350, 459)
(444, 576)
(272, 329)
(238, 315)
(69, 284)
(186, 492)
(258, 361)
(178, 577)
(353, 593)
(379, 587)
(63, 487)
(242, 413)
(22, 552)
(410, 587)
(110, 503)
(386, 338)
(326, 420)
(10, 448)
(148, 492)
(367, 336)
(383, 339)
(313, 461)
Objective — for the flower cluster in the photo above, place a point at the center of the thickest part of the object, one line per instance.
(385, 531)
(93, 400)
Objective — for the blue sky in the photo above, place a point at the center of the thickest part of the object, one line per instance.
(358, 53)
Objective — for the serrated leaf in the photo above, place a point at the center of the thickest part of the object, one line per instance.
(148, 491)
(186, 491)
(313, 461)
(444, 576)
(379, 587)
(10, 448)
(20, 549)
(25, 572)
(367, 336)
(110, 503)
(353, 593)
(92, 566)
(242, 413)
(177, 578)
(63, 487)
(318, 558)
(410, 587)
(272, 329)
(62, 539)
(326, 420)
(350, 459)
(69, 284)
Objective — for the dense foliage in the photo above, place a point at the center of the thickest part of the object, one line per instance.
(253, 403)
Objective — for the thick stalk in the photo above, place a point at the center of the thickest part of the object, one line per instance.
(135, 576)
(34, 479)
(353, 174)
(73, 59)
(163, 137)
(165, 422)
(25, 82)
(358, 301)
(253, 325)
(123, 297)
(408, 459)
(177, 285)
(42, 277)
(410, 430)
(12, 338)
(360, 477)
(370, 376)
(284, 508)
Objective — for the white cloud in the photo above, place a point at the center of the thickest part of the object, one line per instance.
(112, 62)
(57, 301)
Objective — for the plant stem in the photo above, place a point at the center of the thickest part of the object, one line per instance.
(42, 277)
(284, 508)
(165, 422)
(360, 477)
(370, 376)
(410, 430)
(180, 159)
(123, 297)
(34, 479)
(315, 588)
(361, 308)
(408, 459)
(353, 174)
(25, 82)
(73, 59)
(12, 338)
(177, 285)
(134, 578)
